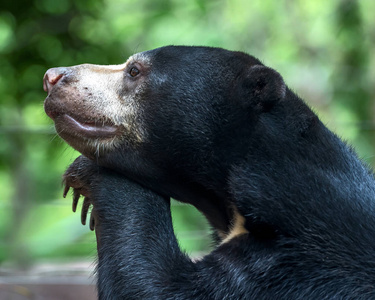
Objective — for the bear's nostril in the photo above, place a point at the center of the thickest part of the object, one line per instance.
(51, 77)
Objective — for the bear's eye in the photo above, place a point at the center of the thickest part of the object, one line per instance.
(133, 72)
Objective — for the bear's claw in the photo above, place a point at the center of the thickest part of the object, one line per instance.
(76, 178)
(76, 195)
(85, 208)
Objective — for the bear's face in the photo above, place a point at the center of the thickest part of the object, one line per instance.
(168, 117)
(95, 108)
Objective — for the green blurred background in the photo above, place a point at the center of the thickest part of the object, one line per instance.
(324, 50)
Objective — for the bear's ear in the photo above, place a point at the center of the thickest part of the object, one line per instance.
(261, 88)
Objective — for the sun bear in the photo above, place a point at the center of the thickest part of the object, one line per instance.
(292, 205)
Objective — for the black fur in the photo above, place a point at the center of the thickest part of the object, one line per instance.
(225, 132)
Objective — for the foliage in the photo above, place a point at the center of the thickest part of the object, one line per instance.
(322, 48)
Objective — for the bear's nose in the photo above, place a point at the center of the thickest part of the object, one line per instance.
(52, 77)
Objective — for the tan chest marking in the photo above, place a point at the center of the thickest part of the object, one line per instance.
(237, 228)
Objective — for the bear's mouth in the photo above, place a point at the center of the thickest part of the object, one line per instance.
(87, 129)
(69, 124)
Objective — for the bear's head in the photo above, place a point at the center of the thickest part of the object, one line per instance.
(175, 118)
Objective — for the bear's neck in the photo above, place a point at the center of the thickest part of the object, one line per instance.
(297, 175)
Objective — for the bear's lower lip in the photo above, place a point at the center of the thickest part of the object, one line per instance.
(67, 124)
